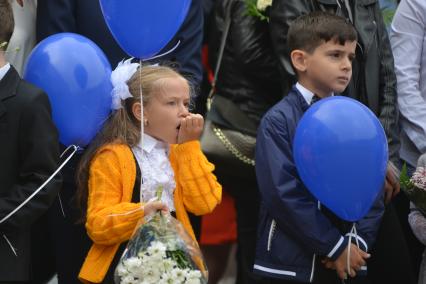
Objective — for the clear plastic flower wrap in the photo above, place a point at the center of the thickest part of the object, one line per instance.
(161, 251)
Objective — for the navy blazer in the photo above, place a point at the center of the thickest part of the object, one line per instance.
(292, 230)
(85, 17)
(29, 153)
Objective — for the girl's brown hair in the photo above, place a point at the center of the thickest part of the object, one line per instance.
(122, 127)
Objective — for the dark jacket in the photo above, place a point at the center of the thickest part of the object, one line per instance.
(28, 156)
(85, 17)
(249, 74)
(292, 231)
(373, 80)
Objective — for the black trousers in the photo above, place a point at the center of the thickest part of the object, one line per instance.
(247, 203)
(390, 260)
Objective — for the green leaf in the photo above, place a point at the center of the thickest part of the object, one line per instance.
(388, 15)
(407, 186)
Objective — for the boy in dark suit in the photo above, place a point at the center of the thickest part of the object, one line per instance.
(299, 240)
(28, 156)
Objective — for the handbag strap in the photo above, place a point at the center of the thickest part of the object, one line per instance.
(220, 54)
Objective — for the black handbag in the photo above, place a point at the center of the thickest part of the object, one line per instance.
(229, 136)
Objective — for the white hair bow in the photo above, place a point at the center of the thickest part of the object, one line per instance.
(119, 77)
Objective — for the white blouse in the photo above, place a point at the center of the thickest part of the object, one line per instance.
(156, 170)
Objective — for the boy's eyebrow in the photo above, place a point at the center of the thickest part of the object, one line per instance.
(340, 51)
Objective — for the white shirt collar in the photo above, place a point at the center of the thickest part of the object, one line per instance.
(3, 70)
(307, 95)
(150, 143)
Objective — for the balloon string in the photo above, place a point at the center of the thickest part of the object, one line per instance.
(163, 54)
(75, 149)
(63, 153)
(354, 233)
(142, 124)
(10, 245)
(43, 185)
(60, 204)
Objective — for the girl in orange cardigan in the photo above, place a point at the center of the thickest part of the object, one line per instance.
(167, 154)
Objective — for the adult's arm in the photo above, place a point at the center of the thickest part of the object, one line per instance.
(407, 37)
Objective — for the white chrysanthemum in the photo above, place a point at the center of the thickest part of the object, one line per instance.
(132, 263)
(194, 274)
(168, 264)
(178, 274)
(263, 4)
(122, 271)
(167, 278)
(152, 275)
(157, 250)
(128, 280)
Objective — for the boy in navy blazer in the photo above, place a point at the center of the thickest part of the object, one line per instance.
(298, 240)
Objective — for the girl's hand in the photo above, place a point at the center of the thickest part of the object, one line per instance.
(191, 128)
(153, 206)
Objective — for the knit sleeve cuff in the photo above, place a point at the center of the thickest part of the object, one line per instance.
(188, 149)
(338, 248)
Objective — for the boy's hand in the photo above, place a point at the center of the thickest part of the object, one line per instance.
(392, 186)
(357, 259)
(20, 2)
(153, 206)
(191, 128)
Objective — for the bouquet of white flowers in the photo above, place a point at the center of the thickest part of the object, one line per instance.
(161, 251)
(415, 187)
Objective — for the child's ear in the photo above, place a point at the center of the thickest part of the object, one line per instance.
(298, 59)
(136, 110)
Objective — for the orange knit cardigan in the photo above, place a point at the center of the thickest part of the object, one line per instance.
(111, 217)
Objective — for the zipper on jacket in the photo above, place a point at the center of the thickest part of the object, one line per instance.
(314, 256)
(271, 234)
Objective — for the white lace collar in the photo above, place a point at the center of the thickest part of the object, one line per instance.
(156, 170)
(149, 143)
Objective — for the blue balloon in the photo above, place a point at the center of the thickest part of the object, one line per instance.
(142, 28)
(75, 74)
(341, 153)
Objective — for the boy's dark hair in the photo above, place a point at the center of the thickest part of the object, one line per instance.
(7, 23)
(309, 31)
